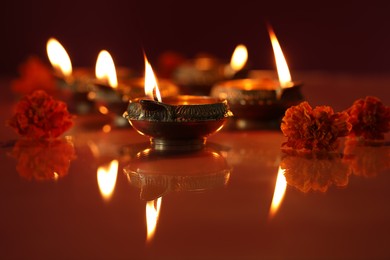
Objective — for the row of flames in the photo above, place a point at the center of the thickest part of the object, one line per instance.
(105, 68)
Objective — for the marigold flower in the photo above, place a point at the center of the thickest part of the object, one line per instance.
(34, 74)
(314, 130)
(38, 115)
(43, 159)
(370, 118)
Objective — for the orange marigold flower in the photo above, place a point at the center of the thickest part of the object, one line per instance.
(43, 159)
(314, 130)
(34, 74)
(370, 118)
(38, 115)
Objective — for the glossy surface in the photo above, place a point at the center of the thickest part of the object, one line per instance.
(79, 209)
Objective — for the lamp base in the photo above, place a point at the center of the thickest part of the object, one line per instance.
(161, 144)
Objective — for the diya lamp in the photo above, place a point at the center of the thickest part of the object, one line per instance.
(107, 98)
(74, 87)
(112, 96)
(197, 76)
(261, 99)
(180, 122)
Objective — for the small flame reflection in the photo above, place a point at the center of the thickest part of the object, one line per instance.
(281, 63)
(106, 128)
(106, 176)
(151, 82)
(239, 58)
(58, 57)
(152, 213)
(105, 69)
(103, 110)
(279, 192)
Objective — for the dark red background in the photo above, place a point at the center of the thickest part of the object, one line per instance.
(341, 36)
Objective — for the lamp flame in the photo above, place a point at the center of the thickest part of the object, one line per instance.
(152, 213)
(106, 176)
(151, 82)
(105, 69)
(281, 64)
(58, 57)
(239, 57)
(279, 192)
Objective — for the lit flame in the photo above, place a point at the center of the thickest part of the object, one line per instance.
(280, 190)
(106, 176)
(151, 82)
(281, 64)
(239, 58)
(58, 57)
(105, 69)
(152, 213)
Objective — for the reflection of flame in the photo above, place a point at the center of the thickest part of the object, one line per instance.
(152, 213)
(106, 128)
(58, 57)
(105, 69)
(239, 58)
(103, 109)
(280, 190)
(106, 176)
(281, 64)
(151, 82)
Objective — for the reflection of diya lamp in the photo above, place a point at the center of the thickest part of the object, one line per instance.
(180, 122)
(157, 173)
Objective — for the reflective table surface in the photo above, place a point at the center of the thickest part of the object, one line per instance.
(61, 200)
